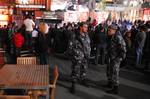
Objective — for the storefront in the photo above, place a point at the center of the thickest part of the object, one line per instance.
(5, 15)
(145, 10)
(51, 17)
(29, 7)
(146, 14)
(34, 8)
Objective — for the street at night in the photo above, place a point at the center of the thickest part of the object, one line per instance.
(74, 49)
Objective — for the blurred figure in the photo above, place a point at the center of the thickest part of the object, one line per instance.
(94, 23)
(10, 47)
(34, 36)
(29, 25)
(139, 43)
(101, 44)
(42, 43)
(128, 41)
(10, 32)
(147, 47)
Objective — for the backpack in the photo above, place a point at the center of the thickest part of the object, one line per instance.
(18, 40)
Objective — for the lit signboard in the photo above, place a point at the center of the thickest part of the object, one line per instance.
(3, 7)
(109, 0)
(31, 2)
(59, 4)
(24, 1)
(4, 17)
(30, 6)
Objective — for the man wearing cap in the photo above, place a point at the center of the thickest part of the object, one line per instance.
(116, 51)
(80, 49)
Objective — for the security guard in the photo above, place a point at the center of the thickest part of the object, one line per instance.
(116, 51)
(80, 52)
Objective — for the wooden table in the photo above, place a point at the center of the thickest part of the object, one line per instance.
(25, 77)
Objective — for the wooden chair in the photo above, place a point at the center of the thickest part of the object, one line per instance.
(52, 87)
(2, 57)
(14, 97)
(26, 60)
(53, 84)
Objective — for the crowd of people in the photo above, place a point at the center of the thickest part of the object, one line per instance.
(110, 42)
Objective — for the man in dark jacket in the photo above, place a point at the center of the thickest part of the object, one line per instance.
(116, 51)
(147, 47)
(101, 43)
(80, 49)
(139, 43)
(42, 43)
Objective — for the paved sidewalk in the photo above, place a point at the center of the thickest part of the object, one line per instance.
(133, 84)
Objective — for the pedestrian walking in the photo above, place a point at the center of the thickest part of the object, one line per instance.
(41, 43)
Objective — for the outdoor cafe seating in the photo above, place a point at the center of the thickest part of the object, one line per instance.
(14, 97)
(29, 76)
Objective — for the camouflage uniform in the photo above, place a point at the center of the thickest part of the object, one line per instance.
(80, 51)
(116, 52)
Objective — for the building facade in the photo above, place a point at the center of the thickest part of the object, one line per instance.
(5, 12)
(15, 10)
(145, 10)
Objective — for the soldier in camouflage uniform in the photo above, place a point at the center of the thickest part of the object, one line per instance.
(116, 51)
(80, 52)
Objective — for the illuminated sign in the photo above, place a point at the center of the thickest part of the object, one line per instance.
(30, 6)
(71, 17)
(109, 0)
(59, 4)
(24, 1)
(4, 7)
(4, 17)
(31, 2)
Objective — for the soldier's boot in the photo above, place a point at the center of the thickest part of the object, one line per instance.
(84, 81)
(73, 89)
(108, 85)
(114, 90)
